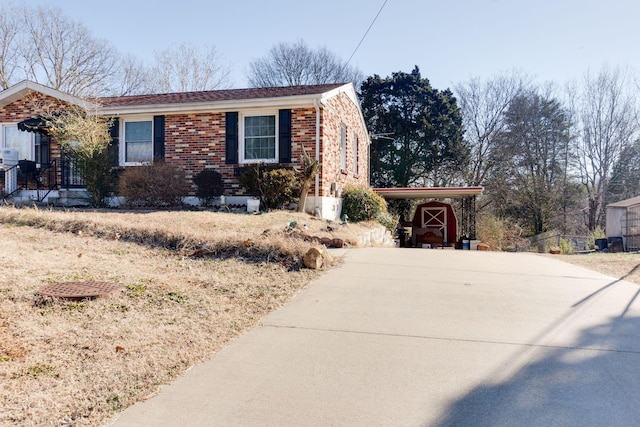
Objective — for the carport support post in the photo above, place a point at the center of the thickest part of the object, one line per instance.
(469, 217)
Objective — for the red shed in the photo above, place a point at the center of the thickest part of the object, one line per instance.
(435, 222)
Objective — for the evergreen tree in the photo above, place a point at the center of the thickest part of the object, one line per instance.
(417, 134)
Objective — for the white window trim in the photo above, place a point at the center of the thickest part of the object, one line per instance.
(253, 113)
(32, 145)
(122, 145)
(344, 135)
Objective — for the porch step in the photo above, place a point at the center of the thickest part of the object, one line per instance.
(71, 198)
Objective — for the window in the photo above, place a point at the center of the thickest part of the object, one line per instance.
(138, 141)
(12, 137)
(259, 141)
(41, 148)
(343, 148)
(355, 154)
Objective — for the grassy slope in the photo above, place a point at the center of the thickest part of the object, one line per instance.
(80, 362)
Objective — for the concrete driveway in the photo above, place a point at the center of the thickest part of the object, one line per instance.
(418, 337)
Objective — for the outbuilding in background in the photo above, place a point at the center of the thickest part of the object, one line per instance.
(623, 222)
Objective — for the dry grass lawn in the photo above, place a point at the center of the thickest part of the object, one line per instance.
(190, 283)
(66, 362)
(619, 265)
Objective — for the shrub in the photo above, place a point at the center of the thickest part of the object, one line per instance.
(209, 185)
(490, 230)
(273, 184)
(598, 233)
(157, 185)
(306, 174)
(361, 203)
(98, 174)
(566, 247)
(501, 234)
(387, 219)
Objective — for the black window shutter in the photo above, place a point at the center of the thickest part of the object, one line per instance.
(231, 138)
(158, 138)
(114, 148)
(284, 137)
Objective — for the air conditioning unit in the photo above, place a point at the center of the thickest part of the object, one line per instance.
(8, 157)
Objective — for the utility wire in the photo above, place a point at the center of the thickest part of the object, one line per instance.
(366, 32)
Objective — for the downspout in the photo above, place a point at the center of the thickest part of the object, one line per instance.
(316, 209)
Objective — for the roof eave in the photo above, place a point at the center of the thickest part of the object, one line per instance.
(627, 203)
(22, 89)
(208, 106)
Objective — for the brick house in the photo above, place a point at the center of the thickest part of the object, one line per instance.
(224, 129)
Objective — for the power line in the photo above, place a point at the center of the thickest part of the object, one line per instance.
(366, 32)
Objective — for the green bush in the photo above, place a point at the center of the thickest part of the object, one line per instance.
(361, 203)
(566, 247)
(598, 233)
(209, 185)
(157, 185)
(273, 184)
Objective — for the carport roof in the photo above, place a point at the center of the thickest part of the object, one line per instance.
(429, 192)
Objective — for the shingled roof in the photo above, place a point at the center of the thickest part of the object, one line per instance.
(217, 95)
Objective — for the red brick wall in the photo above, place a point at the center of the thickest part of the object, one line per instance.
(197, 141)
(341, 110)
(29, 107)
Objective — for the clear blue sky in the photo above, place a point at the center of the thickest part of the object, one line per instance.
(449, 40)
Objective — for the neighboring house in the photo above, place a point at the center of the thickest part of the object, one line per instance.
(225, 130)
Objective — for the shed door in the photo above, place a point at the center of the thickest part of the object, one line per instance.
(436, 218)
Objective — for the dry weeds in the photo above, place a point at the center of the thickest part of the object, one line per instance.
(619, 265)
(80, 362)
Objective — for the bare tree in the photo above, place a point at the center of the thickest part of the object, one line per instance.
(606, 113)
(84, 134)
(131, 77)
(187, 68)
(293, 64)
(62, 54)
(9, 31)
(529, 183)
(483, 105)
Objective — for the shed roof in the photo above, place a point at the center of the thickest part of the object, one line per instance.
(625, 203)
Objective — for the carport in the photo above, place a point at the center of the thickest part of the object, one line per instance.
(437, 215)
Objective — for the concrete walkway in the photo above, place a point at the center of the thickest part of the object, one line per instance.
(418, 337)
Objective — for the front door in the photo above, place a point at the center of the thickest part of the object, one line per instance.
(70, 172)
(435, 218)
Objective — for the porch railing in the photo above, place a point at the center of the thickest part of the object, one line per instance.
(28, 176)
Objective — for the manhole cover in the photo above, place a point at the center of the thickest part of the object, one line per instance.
(78, 290)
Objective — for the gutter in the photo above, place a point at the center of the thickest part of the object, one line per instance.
(316, 209)
(210, 105)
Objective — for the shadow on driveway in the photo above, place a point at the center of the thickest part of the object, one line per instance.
(593, 382)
